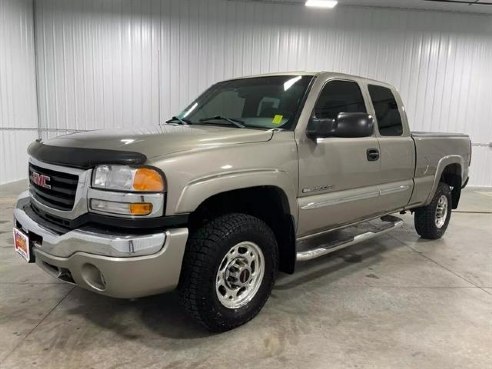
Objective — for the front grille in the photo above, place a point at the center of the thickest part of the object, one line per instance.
(59, 192)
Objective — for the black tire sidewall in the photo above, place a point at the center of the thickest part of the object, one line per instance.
(443, 189)
(218, 316)
(264, 243)
(425, 217)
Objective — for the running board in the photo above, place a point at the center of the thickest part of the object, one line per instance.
(348, 236)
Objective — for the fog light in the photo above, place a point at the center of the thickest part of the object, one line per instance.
(124, 208)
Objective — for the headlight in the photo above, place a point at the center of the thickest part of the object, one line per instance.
(123, 178)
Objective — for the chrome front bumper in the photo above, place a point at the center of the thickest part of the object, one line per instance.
(125, 266)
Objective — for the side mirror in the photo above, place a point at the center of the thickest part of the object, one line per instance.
(348, 125)
(354, 125)
(320, 128)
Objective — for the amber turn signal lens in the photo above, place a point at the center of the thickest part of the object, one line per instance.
(143, 208)
(148, 180)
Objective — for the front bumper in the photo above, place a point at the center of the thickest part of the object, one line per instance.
(124, 266)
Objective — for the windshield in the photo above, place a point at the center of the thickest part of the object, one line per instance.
(262, 102)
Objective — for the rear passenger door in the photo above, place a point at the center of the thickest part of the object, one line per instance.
(397, 150)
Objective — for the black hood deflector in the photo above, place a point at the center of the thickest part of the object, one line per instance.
(76, 157)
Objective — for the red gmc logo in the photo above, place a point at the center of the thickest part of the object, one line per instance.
(41, 180)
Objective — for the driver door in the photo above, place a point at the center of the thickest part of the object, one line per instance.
(338, 177)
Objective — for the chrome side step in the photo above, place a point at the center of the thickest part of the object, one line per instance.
(345, 237)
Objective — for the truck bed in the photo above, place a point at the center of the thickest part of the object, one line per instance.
(433, 151)
(437, 134)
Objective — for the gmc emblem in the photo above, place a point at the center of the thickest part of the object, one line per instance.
(41, 180)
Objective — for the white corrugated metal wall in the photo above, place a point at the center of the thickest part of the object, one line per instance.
(128, 63)
(18, 114)
(103, 63)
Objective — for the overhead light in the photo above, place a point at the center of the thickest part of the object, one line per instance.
(321, 3)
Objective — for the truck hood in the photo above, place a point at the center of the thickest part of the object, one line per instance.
(160, 141)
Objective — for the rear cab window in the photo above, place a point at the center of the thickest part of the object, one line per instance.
(387, 114)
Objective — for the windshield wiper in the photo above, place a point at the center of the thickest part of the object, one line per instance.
(238, 123)
(184, 122)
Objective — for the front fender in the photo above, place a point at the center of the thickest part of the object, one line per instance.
(199, 190)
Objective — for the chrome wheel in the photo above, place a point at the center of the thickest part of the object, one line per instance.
(240, 275)
(441, 211)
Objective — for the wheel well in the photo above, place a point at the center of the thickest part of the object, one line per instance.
(267, 203)
(451, 175)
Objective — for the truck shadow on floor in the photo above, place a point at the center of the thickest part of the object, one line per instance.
(340, 264)
(142, 319)
(139, 319)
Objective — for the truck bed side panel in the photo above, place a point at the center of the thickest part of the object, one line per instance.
(434, 151)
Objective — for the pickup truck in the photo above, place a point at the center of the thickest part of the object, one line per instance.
(255, 175)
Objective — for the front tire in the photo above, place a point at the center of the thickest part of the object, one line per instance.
(431, 221)
(228, 272)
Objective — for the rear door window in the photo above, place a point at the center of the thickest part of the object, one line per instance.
(387, 113)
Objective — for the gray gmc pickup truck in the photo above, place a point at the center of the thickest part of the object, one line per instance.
(255, 175)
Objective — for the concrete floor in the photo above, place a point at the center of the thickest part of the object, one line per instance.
(394, 302)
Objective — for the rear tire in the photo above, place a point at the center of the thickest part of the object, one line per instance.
(228, 272)
(431, 221)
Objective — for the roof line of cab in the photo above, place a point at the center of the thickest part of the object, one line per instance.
(314, 74)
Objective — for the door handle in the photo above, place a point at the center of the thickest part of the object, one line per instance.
(372, 154)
